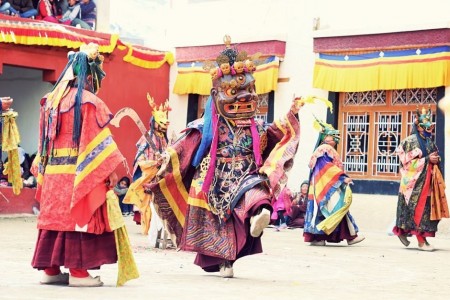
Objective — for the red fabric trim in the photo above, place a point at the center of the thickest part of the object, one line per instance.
(85, 208)
(52, 271)
(330, 183)
(423, 197)
(79, 273)
(147, 56)
(400, 231)
(210, 52)
(52, 33)
(420, 238)
(382, 41)
(174, 190)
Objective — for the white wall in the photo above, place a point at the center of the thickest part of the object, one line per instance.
(26, 87)
(168, 24)
(292, 20)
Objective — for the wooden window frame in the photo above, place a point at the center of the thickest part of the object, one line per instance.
(372, 143)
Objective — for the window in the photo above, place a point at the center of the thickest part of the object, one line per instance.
(373, 124)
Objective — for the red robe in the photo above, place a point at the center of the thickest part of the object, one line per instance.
(72, 184)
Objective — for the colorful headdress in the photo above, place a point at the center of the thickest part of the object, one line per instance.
(326, 130)
(233, 91)
(231, 61)
(81, 64)
(424, 119)
(159, 113)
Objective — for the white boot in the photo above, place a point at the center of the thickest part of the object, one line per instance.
(85, 282)
(426, 247)
(226, 270)
(259, 222)
(356, 240)
(61, 278)
(317, 243)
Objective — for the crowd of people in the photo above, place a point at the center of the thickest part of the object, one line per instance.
(25, 161)
(215, 189)
(77, 13)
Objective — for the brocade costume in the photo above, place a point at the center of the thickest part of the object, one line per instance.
(149, 149)
(327, 215)
(419, 210)
(219, 179)
(216, 224)
(421, 200)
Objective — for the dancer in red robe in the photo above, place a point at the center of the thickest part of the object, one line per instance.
(75, 167)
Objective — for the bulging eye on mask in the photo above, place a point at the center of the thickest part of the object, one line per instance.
(235, 96)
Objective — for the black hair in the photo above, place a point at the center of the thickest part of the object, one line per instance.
(126, 179)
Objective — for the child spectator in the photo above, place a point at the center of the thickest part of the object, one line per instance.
(121, 189)
(88, 15)
(281, 208)
(72, 12)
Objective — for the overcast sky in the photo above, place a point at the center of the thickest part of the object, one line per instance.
(142, 20)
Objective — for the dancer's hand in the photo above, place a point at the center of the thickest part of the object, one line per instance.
(163, 161)
(297, 103)
(112, 180)
(434, 158)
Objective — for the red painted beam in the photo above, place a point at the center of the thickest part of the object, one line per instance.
(383, 41)
(201, 53)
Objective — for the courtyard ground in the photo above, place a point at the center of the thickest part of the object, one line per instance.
(379, 267)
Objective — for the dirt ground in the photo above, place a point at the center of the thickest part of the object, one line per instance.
(378, 267)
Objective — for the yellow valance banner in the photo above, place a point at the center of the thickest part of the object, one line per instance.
(50, 34)
(40, 33)
(193, 79)
(406, 69)
(148, 59)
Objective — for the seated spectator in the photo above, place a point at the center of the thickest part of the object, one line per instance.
(281, 208)
(4, 7)
(73, 11)
(28, 179)
(61, 7)
(88, 15)
(121, 189)
(47, 11)
(3, 178)
(296, 216)
(25, 164)
(22, 8)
